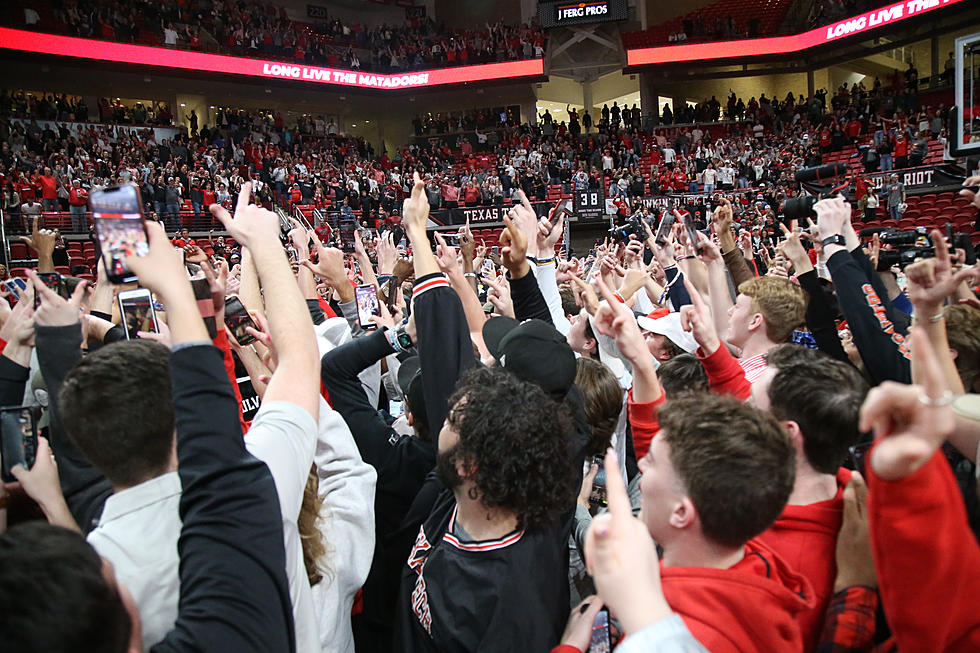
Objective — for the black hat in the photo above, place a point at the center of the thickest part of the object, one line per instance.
(410, 383)
(534, 351)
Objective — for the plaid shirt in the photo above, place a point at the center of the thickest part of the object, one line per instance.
(850, 622)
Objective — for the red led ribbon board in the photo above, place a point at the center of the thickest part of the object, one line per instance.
(67, 46)
(884, 16)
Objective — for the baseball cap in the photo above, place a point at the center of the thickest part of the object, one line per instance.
(668, 324)
(534, 351)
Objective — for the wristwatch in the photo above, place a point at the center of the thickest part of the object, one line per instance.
(836, 239)
(400, 341)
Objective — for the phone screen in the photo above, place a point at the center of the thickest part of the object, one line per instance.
(859, 454)
(237, 320)
(18, 439)
(119, 228)
(666, 223)
(367, 305)
(600, 633)
(692, 232)
(347, 234)
(136, 307)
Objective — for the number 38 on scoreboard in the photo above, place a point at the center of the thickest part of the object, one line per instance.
(589, 204)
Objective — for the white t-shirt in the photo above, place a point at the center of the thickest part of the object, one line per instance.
(169, 36)
(669, 155)
(710, 174)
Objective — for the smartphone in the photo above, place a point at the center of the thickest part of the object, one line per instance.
(136, 309)
(597, 500)
(859, 455)
(18, 439)
(348, 232)
(53, 281)
(495, 250)
(488, 267)
(205, 304)
(692, 233)
(237, 320)
(600, 633)
(367, 305)
(120, 229)
(15, 286)
(666, 224)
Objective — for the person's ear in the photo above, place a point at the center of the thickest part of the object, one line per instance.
(684, 514)
(410, 418)
(953, 353)
(795, 434)
(757, 321)
(591, 345)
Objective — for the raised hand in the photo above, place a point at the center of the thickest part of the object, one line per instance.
(972, 182)
(792, 248)
(613, 319)
(499, 295)
(55, 310)
(162, 269)
(513, 249)
(252, 225)
(467, 245)
(446, 257)
(696, 319)
(415, 208)
(910, 421)
(622, 559)
(585, 295)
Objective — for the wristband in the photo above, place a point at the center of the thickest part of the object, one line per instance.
(545, 261)
(392, 340)
(684, 258)
(944, 400)
(470, 275)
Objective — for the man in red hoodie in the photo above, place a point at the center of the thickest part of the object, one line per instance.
(717, 475)
(816, 399)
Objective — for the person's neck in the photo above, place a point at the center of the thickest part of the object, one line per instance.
(757, 345)
(693, 550)
(479, 522)
(811, 486)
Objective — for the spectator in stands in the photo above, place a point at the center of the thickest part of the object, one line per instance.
(30, 212)
(78, 205)
(896, 197)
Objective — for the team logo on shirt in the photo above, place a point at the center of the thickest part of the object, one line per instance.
(420, 599)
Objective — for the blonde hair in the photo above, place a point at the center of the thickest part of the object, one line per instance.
(781, 302)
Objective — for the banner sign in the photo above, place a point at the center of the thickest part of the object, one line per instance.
(478, 216)
(415, 13)
(580, 12)
(870, 20)
(69, 46)
(916, 179)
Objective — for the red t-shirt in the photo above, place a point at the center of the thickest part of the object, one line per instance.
(901, 147)
(49, 187)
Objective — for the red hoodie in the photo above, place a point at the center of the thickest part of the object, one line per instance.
(806, 538)
(751, 606)
(927, 559)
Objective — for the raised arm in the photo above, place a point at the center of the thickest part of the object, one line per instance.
(234, 591)
(297, 374)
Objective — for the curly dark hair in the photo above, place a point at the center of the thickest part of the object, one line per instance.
(514, 439)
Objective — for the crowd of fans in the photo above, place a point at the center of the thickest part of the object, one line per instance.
(307, 162)
(258, 29)
(505, 443)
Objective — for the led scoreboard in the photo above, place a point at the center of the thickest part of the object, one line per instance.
(580, 12)
(589, 204)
